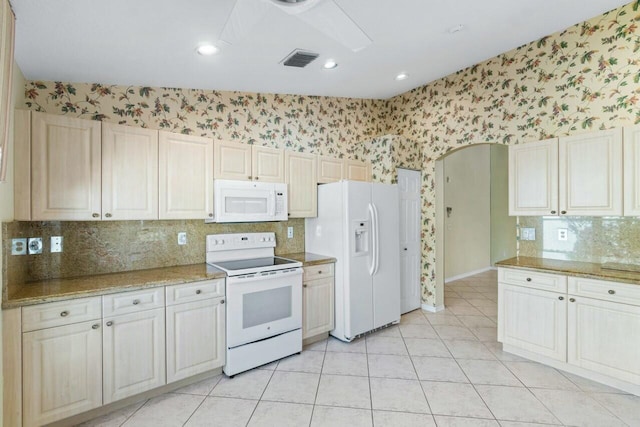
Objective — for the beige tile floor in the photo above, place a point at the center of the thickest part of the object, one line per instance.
(443, 369)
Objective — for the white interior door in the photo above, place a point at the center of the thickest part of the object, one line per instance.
(409, 189)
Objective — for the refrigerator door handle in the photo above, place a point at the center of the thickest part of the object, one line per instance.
(374, 241)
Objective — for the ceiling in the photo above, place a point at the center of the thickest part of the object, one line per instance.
(153, 42)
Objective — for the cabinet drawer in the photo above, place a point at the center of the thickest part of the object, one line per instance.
(195, 291)
(604, 290)
(60, 313)
(133, 302)
(533, 279)
(318, 271)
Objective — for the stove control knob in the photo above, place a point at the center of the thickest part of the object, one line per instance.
(271, 239)
(221, 242)
(263, 239)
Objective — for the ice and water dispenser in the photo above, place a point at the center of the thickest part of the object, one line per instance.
(361, 234)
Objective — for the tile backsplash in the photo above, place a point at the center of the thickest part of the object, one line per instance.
(107, 247)
(589, 239)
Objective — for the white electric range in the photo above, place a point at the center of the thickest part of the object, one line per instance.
(264, 299)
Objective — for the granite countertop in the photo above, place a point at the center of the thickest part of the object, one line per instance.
(78, 287)
(573, 268)
(85, 286)
(307, 258)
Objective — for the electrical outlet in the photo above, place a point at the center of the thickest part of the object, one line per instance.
(290, 232)
(182, 238)
(18, 246)
(35, 245)
(563, 234)
(56, 244)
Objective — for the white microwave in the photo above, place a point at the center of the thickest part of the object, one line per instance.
(248, 201)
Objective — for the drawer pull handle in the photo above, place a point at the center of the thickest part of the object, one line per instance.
(319, 271)
(108, 215)
(136, 301)
(304, 286)
(95, 215)
(553, 212)
(64, 313)
(563, 212)
(561, 298)
(572, 299)
(210, 215)
(198, 291)
(249, 177)
(222, 302)
(611, 292)
(96, 326)
(528, 279)
(109, 323)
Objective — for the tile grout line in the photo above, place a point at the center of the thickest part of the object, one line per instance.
(313, 409)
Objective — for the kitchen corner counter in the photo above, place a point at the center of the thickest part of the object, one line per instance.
(572, 268)
(77, 287)
(308, 259)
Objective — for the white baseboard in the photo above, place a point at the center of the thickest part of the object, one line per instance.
(431, 308)
(470, 273)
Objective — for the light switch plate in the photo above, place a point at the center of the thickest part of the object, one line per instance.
(527, 233)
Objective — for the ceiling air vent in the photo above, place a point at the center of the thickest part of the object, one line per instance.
(299, 58)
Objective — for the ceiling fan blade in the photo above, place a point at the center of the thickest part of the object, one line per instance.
(244, 16)
(329, 18)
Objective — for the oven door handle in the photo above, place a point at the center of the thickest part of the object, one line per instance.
(256, 277)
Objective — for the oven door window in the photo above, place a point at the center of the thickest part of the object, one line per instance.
(259, 308)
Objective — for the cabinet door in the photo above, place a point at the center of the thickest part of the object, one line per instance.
(533, 178)
(62, 372)
(129, 172)
(591, 173)
(134, 354)
(358, 171)
(604, 337)
(302, 177)
(232, 160)
(65, 168)
(186, 176)
(631, 171)
(330, 169)
(267, 164)
(195, 338)
(317, 307)
(533, 320)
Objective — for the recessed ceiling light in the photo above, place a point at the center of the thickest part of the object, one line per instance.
(402, 76)
(330, 64)
(207, 49)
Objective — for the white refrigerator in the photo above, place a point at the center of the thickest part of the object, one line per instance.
(358, 224)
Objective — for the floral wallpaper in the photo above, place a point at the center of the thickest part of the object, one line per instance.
(323, 125)
(581, 79)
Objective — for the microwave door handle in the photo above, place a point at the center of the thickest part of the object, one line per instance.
(272, 198)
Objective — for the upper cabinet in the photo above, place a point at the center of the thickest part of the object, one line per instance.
(129, 172)
(358, 171)
(632, 171)
(330, 170)
(533, 178)
(576, 175)
(65, 168)
(301, 176)
(246, 162)
(591, 173)
(186, 176)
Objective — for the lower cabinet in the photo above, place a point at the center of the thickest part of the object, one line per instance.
(604, 337)
(317, 300)
(533, 320)
(134, 354)
(62, 372)
(195, 338)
